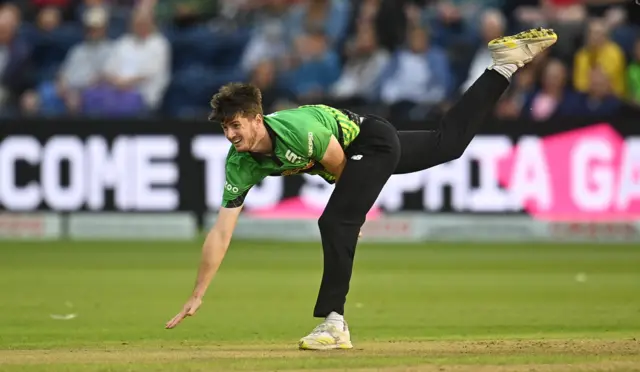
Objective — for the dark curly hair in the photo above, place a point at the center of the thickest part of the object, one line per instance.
(235, 99)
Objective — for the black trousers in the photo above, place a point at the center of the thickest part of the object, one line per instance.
(378, 152)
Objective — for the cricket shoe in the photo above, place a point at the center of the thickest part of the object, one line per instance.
(521, 48)
(327, 336)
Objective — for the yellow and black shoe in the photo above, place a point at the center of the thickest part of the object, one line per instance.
(521, 48)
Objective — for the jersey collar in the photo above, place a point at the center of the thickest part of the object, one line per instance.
(261, 157)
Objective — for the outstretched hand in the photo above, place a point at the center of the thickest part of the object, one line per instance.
(189, 309)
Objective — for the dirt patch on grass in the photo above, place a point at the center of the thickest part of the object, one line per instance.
(514, 347)
(427, 356)
(613, 366)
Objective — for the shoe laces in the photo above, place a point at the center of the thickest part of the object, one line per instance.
(321, 328)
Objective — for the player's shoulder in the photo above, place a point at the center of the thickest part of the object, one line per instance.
(300, 110)
(292, 124)
(237, 161)
(241, 170)
(299, 118)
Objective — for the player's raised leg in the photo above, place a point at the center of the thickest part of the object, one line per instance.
(424, 149)
(371, 159)
(380, 152)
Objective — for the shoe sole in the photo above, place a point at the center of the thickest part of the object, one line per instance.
(533, 36)
(530, 43)
(303, 345)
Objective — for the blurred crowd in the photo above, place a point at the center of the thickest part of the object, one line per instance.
(402, 58)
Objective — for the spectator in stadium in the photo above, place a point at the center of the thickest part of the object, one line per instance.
(268, 42)
(417, 76)
(82, 68)
(49, 18)
(88, 5)
(512, 102)
(51, 3)
(330, 16)
(365, 62)
(269, 39)
(364, 12)
(622, 18)
(456, 21)
(493, 24)
(601, 53)
(313, 68)
(274, 96)
(184, 13)
(567, 17)
(136, 74)
(553, 98)
(50, 42)
(633, 74)
(15, 56)
(389, 18)
(600, 100)
(30, 9)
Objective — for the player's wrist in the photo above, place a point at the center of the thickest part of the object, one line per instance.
(198, 294)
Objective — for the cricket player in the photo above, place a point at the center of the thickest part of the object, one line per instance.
(356, 152)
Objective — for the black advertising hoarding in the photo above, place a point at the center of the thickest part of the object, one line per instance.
(564, 170)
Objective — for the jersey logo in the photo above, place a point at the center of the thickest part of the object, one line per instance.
(230, 187)
(356, 157)
(291, 157)
(310, 137)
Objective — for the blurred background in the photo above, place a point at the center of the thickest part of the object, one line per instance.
(406, 59)
(104, 106)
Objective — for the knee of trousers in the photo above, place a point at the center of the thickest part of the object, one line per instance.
(332, 225)
(327, 224)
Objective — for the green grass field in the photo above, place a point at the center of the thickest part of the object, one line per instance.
(429, 307)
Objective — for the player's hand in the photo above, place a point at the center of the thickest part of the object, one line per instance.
(360, 234)
(189, 309)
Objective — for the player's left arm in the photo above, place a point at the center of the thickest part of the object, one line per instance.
(331, 156)
(334, 159)
(324, 148)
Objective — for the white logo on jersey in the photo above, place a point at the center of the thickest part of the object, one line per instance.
(293, 158)
(356, 157)
(230, 187)
(310, 136)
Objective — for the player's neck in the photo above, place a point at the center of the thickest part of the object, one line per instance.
(263, 145)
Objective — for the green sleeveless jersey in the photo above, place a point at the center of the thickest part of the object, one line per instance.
(300, 138)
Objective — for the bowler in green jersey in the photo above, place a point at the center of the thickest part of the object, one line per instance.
(359, 153)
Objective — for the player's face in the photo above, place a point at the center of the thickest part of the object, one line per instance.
(242, 132)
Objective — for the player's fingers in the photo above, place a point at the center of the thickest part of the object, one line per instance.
(176, 319)
(174, 322)
(171, 323)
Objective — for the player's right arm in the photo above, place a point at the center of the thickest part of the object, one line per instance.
(239, 180)
(215, 247)
(213, 251)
